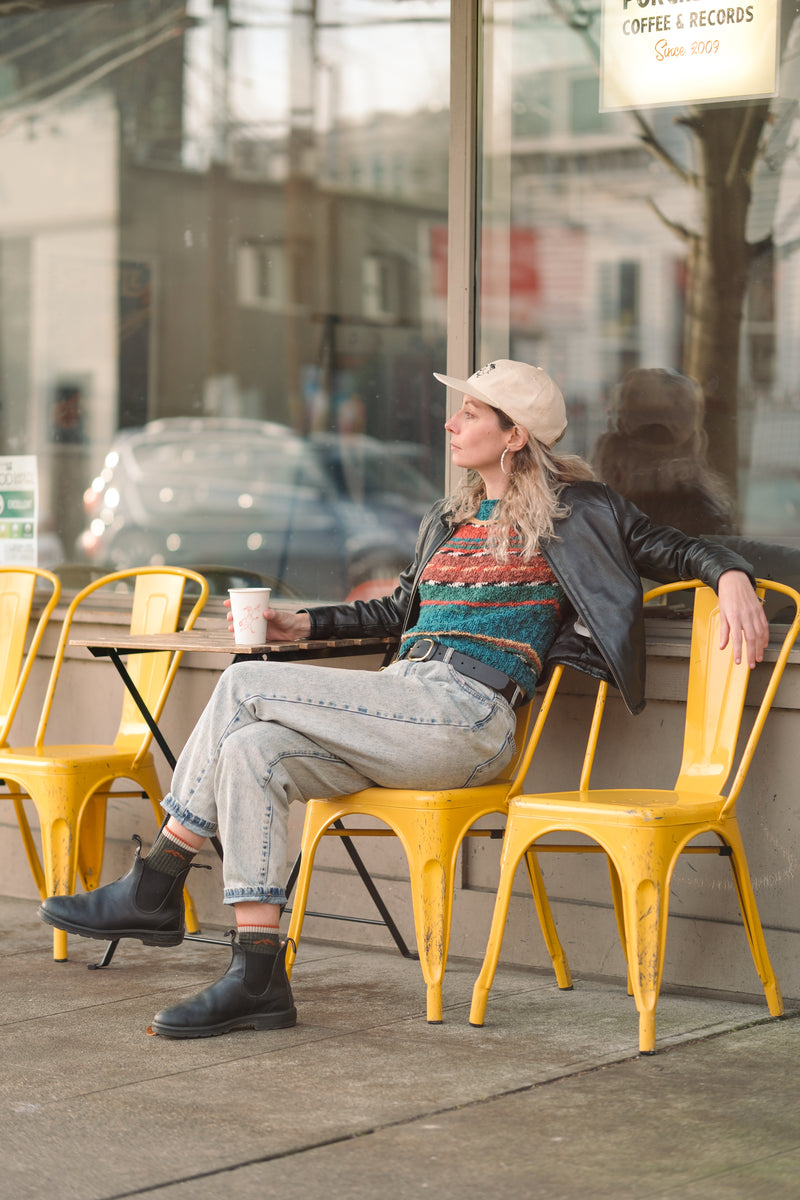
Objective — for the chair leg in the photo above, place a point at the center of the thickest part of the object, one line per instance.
(432, 902)
(92, 840)
(751, 919)
(58, 808)
(27, 840)
(432, 842)
(60, 952)
(645, 899)
(60, 857)
(508, 866)
(310, 841)
(619, 913)
(548, 925)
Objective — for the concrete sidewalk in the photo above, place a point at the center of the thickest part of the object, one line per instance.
(365, 1099)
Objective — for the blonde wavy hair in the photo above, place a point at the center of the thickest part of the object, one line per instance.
(532, 503)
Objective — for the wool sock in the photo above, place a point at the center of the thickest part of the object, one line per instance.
(170, 854)
(262, 939)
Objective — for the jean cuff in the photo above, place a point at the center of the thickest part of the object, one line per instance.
(270, 895)
(187, 819)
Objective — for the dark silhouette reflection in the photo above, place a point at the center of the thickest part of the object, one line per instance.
(655, 453)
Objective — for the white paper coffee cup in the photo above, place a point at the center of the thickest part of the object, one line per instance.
(247, 609)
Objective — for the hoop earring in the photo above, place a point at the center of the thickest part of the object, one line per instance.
(502, 460)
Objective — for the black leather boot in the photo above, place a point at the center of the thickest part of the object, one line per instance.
(254, 993)
(144, 904)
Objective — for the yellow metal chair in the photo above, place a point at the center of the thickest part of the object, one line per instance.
(431, 827)
(643, 831)
(70, 784)
(18, 586)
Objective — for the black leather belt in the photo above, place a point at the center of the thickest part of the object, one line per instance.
(427, 650)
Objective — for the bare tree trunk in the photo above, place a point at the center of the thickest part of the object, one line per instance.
(727, 139)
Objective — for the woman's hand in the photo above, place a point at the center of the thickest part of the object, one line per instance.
(741, 616)
(282, 626)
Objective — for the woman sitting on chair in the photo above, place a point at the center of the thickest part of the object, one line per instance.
(529, 560)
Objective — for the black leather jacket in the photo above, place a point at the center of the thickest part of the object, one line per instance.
(599, 555)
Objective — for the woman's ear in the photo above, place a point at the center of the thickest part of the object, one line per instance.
(518, 438)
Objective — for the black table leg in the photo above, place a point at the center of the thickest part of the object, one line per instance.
(386, 916)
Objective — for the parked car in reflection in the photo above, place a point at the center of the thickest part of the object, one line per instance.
(317, 515)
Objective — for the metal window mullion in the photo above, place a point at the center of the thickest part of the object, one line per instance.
(462, 196)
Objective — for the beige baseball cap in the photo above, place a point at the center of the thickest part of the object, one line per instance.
(525, 394)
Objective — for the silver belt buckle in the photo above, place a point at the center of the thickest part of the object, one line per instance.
(430, 646)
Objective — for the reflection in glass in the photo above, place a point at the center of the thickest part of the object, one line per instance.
(639, 239)
(222, 210)
(654, 453)
(317, 514)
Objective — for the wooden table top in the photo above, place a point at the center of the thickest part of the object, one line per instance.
(212, 642)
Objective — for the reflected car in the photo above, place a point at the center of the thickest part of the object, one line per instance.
(317, 516)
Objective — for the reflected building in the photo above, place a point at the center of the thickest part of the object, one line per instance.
(262, 271)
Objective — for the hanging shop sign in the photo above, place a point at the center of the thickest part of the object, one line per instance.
(18, 505)
(656, 52)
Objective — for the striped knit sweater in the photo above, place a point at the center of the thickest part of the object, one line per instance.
(505, 614)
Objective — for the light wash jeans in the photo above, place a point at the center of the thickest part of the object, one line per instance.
(276, 732)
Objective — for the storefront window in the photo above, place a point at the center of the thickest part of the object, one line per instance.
(219, 230)
(650, 260)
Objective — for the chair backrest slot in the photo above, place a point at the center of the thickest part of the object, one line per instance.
(717, 691)
(715, 697)
(155, 608)
(17, 593)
